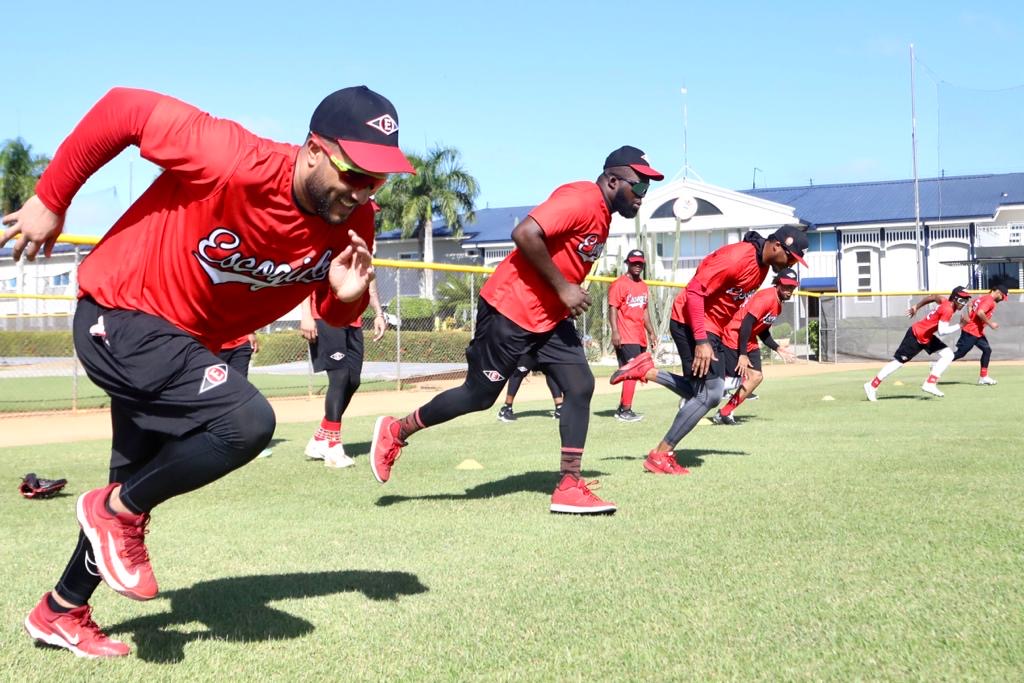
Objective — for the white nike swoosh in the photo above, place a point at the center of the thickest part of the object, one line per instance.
(127, 579)
(67, 636)
(90, 565)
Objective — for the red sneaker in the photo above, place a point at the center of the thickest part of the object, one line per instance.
(636, 368)
(658, 462)
(74, 630)
(575, 497)
(385, 447)
(118, 542)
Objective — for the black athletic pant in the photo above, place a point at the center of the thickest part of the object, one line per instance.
(966, 342)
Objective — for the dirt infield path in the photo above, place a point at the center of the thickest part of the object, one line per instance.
(26, 430)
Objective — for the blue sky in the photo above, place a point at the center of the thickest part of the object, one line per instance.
(535, 94)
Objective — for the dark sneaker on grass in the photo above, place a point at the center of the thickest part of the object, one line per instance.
(627, 415)
(720, 419)
(74, 630)
(119, 544)
(505, 414)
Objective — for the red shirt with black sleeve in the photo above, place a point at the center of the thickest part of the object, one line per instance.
(987, 305)
(924, 329)
(575, 220)
(217, 245)
(724, 279)
(629, 297)
(765, 307)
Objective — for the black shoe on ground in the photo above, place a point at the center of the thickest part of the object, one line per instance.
(720, 419)
(557, 413)
(506, 414)
(627, 415)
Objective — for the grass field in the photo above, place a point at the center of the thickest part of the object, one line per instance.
(817, 540)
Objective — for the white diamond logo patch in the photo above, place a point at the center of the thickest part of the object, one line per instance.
(337, 355)
(214, 376)
(385, 124)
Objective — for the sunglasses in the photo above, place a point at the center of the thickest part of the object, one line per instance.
(353, 176)
(639, 187)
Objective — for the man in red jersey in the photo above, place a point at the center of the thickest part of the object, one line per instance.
(628, 298)
(973, 330)
(924, 336)
(235, 232)
(335, 336)
(742, 353)
(724, 279)
(525, 307)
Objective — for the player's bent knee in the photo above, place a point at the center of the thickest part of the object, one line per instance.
(246, 430)
(946, 354)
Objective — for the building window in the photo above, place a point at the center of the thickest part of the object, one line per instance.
(692, 244)
(408, 256)
(62, 280)
(864, 274)
(821, 241)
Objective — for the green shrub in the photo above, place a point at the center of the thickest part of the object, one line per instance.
(417, 347)
(782, 331)
(36, 343)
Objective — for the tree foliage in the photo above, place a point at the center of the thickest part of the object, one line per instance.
(20, 170)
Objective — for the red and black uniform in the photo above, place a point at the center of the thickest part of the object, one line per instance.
(921, 336)
(751, 322)
(973, 331)
(630, 298)
(722, 282)
(237, 353)
(520, 313)
(214, 249)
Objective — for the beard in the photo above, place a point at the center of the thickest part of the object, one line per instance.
(623, 206)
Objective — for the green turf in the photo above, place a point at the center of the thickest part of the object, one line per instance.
(817, 540)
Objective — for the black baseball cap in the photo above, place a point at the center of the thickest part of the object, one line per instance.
(793, 241)
(959, 293)
(365, 126)
(787, 276)
(635, 256)
(1004, 289)
(635, 159)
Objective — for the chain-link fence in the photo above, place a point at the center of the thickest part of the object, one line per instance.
(870, 326)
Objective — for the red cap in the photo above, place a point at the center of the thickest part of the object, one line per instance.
(365, 126)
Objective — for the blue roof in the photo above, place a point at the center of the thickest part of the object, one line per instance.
(951, 197)
(495, 225)
(396, 234)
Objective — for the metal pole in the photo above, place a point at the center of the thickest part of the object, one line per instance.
(74, 355)
(398, 330)
(917, 190)
(686, 157)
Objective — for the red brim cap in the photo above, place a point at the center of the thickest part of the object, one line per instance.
(799, 258)
(788, 281)
(647, 171)
(636, 260)
(376, 158)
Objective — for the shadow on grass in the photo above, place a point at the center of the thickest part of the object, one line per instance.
(535, 413)
(686, 458)
(532, 482)
(237, 609)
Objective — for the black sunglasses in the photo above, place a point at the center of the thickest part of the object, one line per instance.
(639, 187)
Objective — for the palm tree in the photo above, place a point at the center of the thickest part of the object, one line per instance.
(441, 189)
(19, 172)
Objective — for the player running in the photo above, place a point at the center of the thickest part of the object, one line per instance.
(973, 330)
(526, 307)
(751, 322)
(924, 336)
(632, 330)
(235, 233)
(723, 281)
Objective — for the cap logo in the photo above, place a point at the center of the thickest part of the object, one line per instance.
(789, 241)
(385, 124)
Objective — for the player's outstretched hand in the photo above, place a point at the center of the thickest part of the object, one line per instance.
(35, 227)
(352, 269)
(786, 355)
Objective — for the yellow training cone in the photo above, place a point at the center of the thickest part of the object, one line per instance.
(469, 465)
(826, 397)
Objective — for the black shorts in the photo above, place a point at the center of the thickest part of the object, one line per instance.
(683, 337)
(500, 344)
(158, 376)
(336, 348)
(729, 357)
(968, 341)
(238, 358)
(627, 352)
(910, 347)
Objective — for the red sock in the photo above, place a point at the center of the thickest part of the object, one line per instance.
(410, 424)
(571, 458)
(932, 379)
(628, 390)
(875, 382)
(328, 431)
(731, 405)
(984, 372)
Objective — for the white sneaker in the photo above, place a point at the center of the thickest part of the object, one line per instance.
(988, 381)
(316, 449)
(871, 392)
(930, 388)
(336, 457)
(265, 453)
